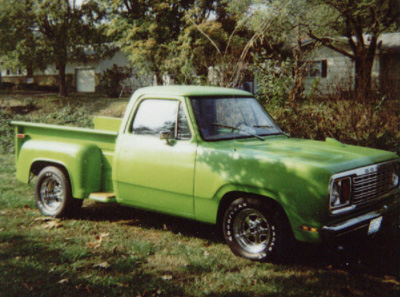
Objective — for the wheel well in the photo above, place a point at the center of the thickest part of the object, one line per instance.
(232, 196)
(40, 165)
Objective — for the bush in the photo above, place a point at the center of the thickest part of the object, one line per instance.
(79, 115)
(6, 131)
(27, 87)
(371, 123)
(6, 85)
(111, 80)
(274, 81)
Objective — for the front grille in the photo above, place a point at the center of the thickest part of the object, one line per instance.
(376, 182)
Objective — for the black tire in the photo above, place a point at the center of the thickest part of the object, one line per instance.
(53, 193)
(257, 230)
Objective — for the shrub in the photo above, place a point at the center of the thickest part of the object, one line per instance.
(6, 131)
(274, 81)
(371, 123)
(111, 80)
(6, 85)
(79, 115)
(26, 87)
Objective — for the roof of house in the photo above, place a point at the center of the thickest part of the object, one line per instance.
(389, 41)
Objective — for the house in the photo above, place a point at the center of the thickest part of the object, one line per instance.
(329, 71)
(79, 77)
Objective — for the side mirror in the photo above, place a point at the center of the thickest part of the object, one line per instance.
(165, 135)
(168, 137)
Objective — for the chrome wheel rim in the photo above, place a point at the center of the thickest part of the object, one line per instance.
(252, 230)
(51, 193)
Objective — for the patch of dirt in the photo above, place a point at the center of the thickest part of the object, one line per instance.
(17, 106)
(115, 109)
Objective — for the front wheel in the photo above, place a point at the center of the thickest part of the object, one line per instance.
(254, 230)
(53, 193)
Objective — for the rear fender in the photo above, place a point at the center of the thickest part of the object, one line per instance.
(82, 163)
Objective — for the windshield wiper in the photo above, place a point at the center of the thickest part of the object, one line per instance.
(263, 126)
(238, 129)
(271, 127)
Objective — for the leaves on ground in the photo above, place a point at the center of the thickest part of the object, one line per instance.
(103, 265)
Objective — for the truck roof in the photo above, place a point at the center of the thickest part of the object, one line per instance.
(188, 90)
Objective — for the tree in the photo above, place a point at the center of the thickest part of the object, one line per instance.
(145, 30)
(214, 37)
(18, 42)
(182, 38)
(57, 31)
(360, 22)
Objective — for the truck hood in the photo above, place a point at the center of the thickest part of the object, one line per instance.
(329, 154)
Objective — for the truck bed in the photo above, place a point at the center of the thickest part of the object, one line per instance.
(42, 136)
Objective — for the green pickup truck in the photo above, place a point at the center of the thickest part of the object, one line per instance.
(213, 155)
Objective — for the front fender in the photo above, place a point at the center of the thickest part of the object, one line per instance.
(82, 162)
(206, 210)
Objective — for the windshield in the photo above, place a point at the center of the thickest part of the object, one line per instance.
(228, 118)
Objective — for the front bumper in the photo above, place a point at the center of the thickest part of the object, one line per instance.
(362, 222)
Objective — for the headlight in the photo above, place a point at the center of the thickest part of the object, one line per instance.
(395, 175)
(395, 179)
(340, 192)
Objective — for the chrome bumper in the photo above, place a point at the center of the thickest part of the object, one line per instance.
(361, 222)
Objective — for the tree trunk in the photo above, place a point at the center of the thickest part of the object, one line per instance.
(61, 79)
(363, 69)
(29, 70)
(297, 92)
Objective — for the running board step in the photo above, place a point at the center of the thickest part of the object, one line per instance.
(103, 197)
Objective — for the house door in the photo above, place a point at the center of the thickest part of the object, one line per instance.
(85, 80)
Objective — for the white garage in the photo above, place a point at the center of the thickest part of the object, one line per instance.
(85, 80)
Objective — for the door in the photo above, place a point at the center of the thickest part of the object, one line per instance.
(156, 173)
(85, 80)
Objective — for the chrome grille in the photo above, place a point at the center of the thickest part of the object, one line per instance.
(374, 184)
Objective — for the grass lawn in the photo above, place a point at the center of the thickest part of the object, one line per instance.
(110, 250)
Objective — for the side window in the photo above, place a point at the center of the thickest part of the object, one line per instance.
(183, 126)
(155, 116)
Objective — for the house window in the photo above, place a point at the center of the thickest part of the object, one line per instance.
(317, 68)
(8, 71)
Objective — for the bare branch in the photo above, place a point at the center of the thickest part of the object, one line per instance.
(328, 42)
(234, 31)
(206, 35)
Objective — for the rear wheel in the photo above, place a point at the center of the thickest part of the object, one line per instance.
(53, 194)
(254, 230)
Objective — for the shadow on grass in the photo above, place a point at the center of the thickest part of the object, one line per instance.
(146, 219)
(31, 268)
(378, 256)
(42, 266)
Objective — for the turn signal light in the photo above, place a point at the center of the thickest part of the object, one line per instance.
(309, 229)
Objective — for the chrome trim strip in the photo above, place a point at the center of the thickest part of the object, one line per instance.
(363, 170)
